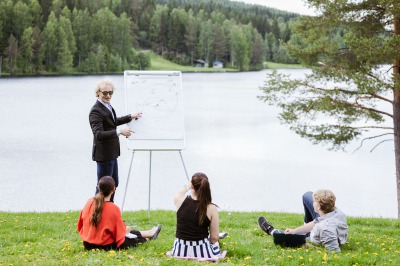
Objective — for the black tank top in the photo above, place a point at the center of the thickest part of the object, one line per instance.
(187, 227)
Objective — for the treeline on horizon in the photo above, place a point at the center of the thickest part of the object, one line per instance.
(109, 36)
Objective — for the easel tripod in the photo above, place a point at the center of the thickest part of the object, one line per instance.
(129, 172)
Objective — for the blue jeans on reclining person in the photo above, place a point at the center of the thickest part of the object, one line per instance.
(309, 213)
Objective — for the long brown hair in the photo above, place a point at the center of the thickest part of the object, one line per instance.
(203, 192)
(106, 186)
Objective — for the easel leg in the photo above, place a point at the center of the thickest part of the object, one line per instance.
(127, 181)
(148, 206)
(129, 172)
(184, 167)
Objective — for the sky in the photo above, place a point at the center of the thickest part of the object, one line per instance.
(296, 6)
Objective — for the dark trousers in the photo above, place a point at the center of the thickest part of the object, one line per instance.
(129, 242)
(297, 240)
(108, 168)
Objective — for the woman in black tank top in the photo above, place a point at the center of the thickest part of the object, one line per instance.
(197, 229)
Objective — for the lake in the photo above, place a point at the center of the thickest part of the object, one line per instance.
(253, 162)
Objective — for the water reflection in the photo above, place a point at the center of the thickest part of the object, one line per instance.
(254, 163)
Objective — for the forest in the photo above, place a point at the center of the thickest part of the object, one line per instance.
(109, 36)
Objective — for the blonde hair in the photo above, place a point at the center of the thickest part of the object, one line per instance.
(101, 85)
(325, 199)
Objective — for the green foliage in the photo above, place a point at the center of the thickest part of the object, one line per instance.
(49, 47)
(186, 30)
(52, 239)
(26, 51)
(139, 60)
(64, 55)
(21, 18)
(323, 115)
(143, 60)
(344, 96)
(90, 64)
(240, 47)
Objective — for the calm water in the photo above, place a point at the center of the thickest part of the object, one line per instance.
(253, 162)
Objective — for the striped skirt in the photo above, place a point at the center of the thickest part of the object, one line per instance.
(195, 249)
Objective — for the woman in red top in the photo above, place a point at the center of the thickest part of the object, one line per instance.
(100, 223)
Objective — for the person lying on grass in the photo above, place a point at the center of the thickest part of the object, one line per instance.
(100, 223)
(323, 223)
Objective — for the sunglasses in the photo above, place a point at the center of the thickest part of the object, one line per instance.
(107, 92)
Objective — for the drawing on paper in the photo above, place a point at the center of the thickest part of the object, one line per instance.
(158, 101)
(159, 98)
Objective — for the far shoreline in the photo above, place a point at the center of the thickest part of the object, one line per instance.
(159, 64)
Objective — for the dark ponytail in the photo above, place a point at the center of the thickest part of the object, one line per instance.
(203, 192)
(106, 186)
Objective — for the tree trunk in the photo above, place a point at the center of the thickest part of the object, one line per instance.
(396, 126)
(396, 116)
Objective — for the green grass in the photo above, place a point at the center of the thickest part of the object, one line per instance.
(159, 63)
(52, 239)
(273, 65)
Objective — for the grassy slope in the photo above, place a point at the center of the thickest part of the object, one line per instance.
(52, 239)
(273, 65)
(159, 63)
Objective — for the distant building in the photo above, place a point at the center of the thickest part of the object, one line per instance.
(200, 63)
(218, 64)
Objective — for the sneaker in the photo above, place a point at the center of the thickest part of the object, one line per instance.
(265, 225)
(223, 235)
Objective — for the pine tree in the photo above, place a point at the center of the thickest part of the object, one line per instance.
(64, 55)
(49, 41)
(26, 51)
(344, 97)
(11, 54)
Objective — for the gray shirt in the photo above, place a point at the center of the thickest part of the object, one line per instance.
(330, 230)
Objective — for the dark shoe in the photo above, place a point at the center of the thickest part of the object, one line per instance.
(265, 225)
(157, 232)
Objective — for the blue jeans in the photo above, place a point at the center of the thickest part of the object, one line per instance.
(309, 213)
(109, 168)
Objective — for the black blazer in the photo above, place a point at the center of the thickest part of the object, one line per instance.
(104, 128)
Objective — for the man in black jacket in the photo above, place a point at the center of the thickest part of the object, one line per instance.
(104, 121)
